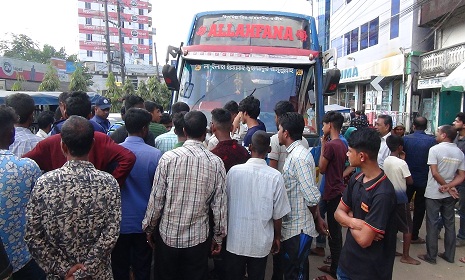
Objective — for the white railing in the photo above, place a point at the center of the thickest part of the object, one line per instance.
(442, 61)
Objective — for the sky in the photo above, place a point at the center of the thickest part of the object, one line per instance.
(54, 22)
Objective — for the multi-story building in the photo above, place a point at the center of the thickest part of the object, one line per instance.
(447, 20)
(377, 43)
(135, 26)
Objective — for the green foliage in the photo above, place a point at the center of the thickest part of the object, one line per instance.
(143, 91)
(78, 80)
(159, 92)
(24, 48)
(114, 93)
(128, 87)
(50, 81)
(18, 85)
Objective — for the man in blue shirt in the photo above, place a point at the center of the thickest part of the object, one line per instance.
(416, 148)
(17, 178)
(102, 110)
(249, 107)
(132, 248)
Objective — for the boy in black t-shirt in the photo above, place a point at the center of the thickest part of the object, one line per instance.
(367, 208)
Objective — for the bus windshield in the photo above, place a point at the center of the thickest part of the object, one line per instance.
(206, 86)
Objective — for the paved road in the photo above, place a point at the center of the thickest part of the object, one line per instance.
(424, 271)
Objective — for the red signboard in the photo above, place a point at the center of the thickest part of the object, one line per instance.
(100, 46)
(113, 16)
(134, 33)
(126, 3)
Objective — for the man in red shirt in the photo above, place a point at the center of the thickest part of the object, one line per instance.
(105, 154)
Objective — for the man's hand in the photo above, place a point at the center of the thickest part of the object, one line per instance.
(356, 224)
(72, 270)
(276, 246)
(321, 226)
(378, 237)
(216, 248)
(454, 193)
(150, 240)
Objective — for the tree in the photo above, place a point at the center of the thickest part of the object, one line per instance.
(128, 88)
(50, 81)
(78, 80)
(114, 93)
(143, 91)
(18, 85)
(159, 92)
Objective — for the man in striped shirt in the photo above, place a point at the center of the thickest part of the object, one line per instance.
(189, 181)
(304, 220)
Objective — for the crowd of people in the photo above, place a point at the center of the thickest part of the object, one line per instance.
(153, 197)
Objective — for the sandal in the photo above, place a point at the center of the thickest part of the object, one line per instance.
(326, 269)
(462, 259)
(442, 256)
(426, 259)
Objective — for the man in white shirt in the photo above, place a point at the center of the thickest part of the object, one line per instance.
(256, 205)
(44, 121)
(447, 170)
(384, 126)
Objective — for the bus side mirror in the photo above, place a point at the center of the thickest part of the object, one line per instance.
(331, 81)
(171, 80)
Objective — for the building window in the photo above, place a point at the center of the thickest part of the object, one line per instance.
(337, 44)
(335, 5)
(88, 21)
(395, 9)
(373, 32)
(141, 41)
(141, 12)
(354, 40)
(346, 43)
(141, 26)
(364, 36)
(88, 37)
(141, 56)
(87, 5)
(89, 53)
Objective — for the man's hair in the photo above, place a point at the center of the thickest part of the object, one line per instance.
(232, 107)
(358, 113)
(131, 100)
(151, 106)
(78, 104)
(136, 118)
(335, 118)
(179, 107)
(387, 120)
(449, 130)
(8, 117)
(77, 133)
(251, 106)
(461, 116)
(45, 119)
(282, 107)
(293, 123)
(222, 119)
(23, 104)
(165, 118)
(57, 115)
(195, 124)
(178, 123)
(63, 96)
(420, 123)
(261, 142)
(366, 140)
(394, 141)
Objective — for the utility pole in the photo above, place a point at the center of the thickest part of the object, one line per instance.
(107, 37)
(120, 40)
(156, 60)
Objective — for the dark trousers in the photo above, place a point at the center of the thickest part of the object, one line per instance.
(295, 266)
(131, 250)
(235, 266)
(335, 231)
(419, 208)
(278, 272)
(182, 263)
(461, 212)
(31, 271)
(444, 206)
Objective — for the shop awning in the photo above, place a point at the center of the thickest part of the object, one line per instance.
(456, 80)
(336, 107)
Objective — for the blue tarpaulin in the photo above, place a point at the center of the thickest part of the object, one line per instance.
(43, 97)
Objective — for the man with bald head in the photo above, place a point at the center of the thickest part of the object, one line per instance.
(416, 148)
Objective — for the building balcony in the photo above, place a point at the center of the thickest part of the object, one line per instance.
(441, 62)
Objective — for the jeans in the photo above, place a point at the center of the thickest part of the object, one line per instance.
(335, 231)
(131, 250)
(445, 206)
(236, 266)
(295, 266)
(321, 238)
(419, 208)
(461, 212)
